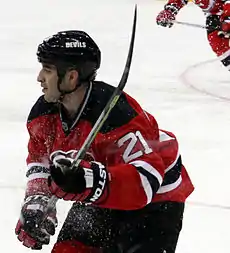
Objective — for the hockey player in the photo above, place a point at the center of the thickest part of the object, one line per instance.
(217, 22)
(130, 189)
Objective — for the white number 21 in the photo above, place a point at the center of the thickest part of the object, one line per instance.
(133, 138)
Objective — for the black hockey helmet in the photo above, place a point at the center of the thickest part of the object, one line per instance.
(71, 50)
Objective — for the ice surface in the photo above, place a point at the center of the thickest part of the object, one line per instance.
(175, 76)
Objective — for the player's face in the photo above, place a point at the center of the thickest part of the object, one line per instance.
(48, 79)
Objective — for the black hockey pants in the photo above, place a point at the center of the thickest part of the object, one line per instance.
(153, 229)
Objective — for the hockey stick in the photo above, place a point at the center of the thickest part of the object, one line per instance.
(190, 24)
(105, 113)
(111, 103)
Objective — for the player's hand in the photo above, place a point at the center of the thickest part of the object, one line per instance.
(34, 226)
(86, 183)
(166, 17)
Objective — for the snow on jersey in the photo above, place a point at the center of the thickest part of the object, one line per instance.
(144, 163)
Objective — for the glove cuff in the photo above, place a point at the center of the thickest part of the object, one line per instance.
(37, 183)
(172, 8)
(88, 177)
(100, 183)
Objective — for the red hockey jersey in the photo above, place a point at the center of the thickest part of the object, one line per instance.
(214, 7)
(144, 162)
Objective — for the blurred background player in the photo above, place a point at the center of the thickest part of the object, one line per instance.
(217, 14)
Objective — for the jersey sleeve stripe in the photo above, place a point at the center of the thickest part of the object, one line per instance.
(147, 188)
(178, 156)
(151, 171)
(170, 187)
(174, 173)
(150, 178)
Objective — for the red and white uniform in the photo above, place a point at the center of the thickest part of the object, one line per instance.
(216, 12)
(214, 7)
(144, 162)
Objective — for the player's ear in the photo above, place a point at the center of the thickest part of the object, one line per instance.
(72, 77)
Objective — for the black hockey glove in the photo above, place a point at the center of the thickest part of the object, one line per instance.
(86, 183)
(167, 17)
(35, 227)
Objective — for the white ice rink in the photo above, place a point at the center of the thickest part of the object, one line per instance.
(174, 75)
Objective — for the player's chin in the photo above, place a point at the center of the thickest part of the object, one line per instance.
(50, 99)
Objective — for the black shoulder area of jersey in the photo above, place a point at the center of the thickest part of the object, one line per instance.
(120, 115)
(41, 108)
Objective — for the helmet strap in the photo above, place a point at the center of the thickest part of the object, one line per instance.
(63, 92)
